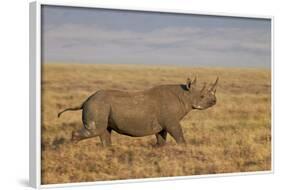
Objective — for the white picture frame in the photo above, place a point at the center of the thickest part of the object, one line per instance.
(35, 92)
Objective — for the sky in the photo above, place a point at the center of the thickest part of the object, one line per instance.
(103, 36)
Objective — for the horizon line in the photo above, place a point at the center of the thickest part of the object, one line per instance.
(157, 64)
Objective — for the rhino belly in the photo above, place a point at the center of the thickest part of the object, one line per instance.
(134, 124)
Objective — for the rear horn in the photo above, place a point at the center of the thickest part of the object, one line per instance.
(203, 88)
(213, 87)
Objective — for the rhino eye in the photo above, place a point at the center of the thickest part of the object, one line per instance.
(202, 96)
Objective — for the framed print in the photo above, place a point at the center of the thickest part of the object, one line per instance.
(121, 94)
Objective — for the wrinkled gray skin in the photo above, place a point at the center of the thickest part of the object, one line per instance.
(156, 111)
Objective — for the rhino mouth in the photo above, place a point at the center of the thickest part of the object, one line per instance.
(197, 107)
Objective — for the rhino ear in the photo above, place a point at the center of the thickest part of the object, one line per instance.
(190, 84)
(194, 80)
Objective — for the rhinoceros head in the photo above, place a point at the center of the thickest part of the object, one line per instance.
(204, 98)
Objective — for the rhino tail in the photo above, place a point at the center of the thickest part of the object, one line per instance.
(70, 109)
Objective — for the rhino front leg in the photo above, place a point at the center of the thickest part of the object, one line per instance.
(175, 130)
(105, 138)
(161, 137)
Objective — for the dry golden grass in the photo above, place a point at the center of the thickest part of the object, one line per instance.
(232, 136)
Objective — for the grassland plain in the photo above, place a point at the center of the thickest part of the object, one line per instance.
(232, 136)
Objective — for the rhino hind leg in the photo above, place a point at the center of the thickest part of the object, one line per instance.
(82, 134)
(95, 119)
(161, 137)
(101, 128)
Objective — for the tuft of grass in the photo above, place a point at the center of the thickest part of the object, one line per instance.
(232, 136)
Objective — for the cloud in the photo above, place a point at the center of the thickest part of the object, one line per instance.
(221, 46)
